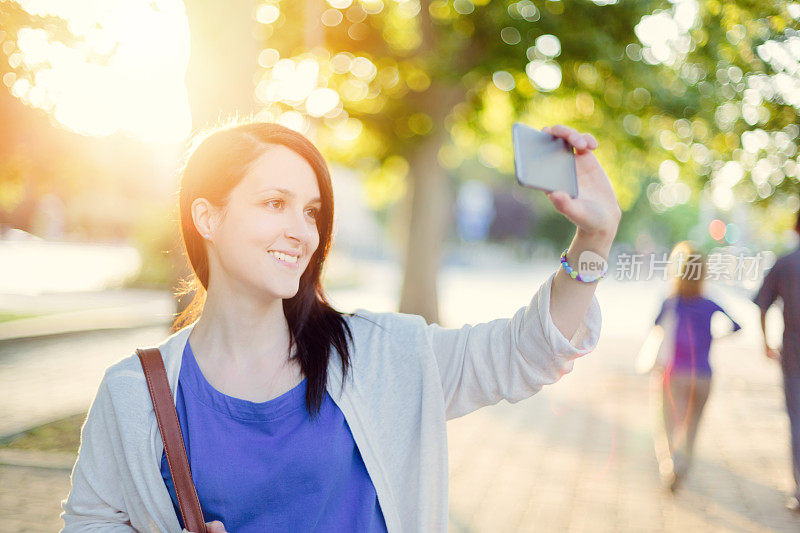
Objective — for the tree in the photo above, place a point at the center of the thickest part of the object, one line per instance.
(423, 90)
(691, 106)
(417, 90)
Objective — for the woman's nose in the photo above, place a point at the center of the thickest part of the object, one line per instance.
(299, 227)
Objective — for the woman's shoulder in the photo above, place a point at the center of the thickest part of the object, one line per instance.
(126, 368)
(125, 382)
(389, 348)
(670, 301)
(127, 373)
(122, 399)
(705, 304)
(387, 333)
(170, 348)
(693, 300)
(708, 301)
(368, 321)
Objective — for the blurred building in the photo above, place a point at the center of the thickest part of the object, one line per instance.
(475, 210)
(513, 219)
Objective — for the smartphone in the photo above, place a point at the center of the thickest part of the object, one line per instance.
(543, 161)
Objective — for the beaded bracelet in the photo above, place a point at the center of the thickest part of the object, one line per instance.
(574, 273)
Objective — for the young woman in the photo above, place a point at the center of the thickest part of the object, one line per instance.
(682, 385)
(287, 425)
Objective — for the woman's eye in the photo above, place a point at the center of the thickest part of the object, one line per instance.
(314, 210)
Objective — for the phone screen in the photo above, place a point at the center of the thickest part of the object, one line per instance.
(543, 161)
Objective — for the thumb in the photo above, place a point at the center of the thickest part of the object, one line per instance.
(560, 200)
(572, 208)
(215, 527)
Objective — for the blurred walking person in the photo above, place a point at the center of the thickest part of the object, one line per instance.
(783, 280)
(682, 375)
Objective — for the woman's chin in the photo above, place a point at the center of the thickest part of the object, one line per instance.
(285, 291)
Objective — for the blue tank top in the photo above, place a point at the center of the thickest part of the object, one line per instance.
(267, 466)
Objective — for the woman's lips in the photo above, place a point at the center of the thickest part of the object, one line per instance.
(293, 266)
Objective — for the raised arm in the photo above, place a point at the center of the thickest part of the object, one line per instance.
(570, 299)
(508, 358)
(596, 215)
(514, 358)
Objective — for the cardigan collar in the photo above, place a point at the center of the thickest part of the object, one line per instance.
(172, 351)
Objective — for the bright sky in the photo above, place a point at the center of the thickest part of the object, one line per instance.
(140, 91)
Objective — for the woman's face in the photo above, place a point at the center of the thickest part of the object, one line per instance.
(274, 208)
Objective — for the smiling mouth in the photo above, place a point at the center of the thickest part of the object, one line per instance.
(283, 262)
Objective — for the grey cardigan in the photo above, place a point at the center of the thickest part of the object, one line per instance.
(408, 377)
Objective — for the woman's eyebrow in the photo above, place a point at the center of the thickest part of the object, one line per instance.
(289, 193)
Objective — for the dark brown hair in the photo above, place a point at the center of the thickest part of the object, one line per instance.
(215, 163)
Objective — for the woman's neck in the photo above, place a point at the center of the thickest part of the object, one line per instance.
(241, 332)
(238, 362)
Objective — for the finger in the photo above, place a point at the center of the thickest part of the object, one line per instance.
(578, 141)
(570, 135)
(591, 141)
(560, 130)
(215, 527)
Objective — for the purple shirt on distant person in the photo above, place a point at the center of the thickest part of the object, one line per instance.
(693, 332)
(267, 466)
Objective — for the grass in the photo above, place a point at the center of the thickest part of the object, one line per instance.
(59, 436)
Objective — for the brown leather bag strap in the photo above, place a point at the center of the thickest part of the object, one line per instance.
(167, 416)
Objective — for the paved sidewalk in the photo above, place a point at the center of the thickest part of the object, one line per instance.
(71, 312)
(47, 378)
(578, 456)
(29, 499)
(51, 364)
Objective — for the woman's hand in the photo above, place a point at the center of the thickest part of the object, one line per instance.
(595, 211)
(211, 527)
(215, 527)
(596, 214)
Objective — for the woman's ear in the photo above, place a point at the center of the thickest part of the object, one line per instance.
(203, 217)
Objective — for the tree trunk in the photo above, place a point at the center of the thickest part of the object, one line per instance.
(224, 56)
(429, 206)
(219, 77)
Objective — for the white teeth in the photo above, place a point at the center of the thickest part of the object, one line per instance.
(284, 257)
